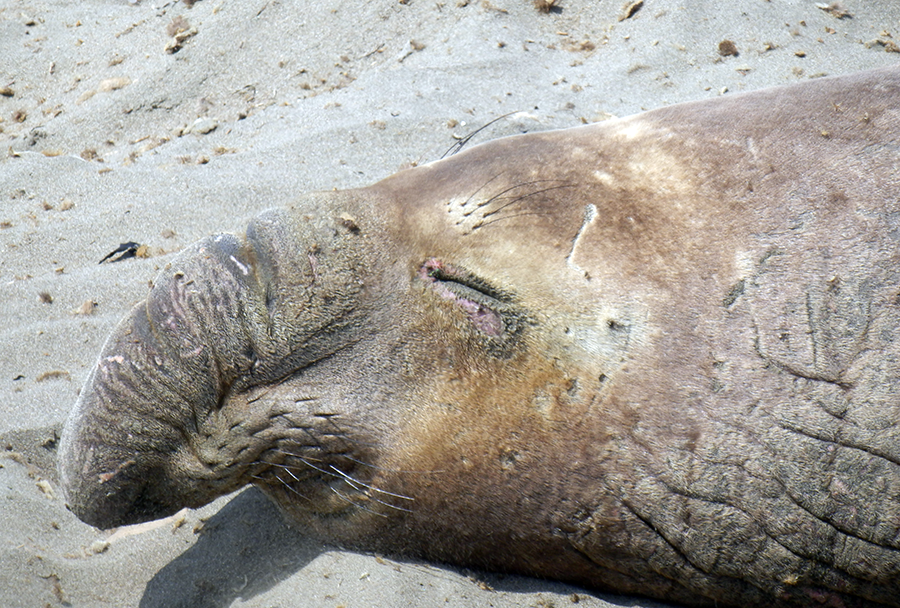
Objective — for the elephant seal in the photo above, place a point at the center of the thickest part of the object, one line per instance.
(657, 355)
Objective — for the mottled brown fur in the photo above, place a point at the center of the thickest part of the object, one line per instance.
(692, 393)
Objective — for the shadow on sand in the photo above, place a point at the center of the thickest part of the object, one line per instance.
(245, 549)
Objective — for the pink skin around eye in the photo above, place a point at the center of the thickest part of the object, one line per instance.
(484, 319)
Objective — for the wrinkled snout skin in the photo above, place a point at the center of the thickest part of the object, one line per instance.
(149, 435)
(657, 355)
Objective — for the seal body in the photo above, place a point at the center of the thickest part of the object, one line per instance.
(657, 355)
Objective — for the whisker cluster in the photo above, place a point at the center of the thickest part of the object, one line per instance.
(507, 204)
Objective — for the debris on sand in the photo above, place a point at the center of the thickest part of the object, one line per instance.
(630, 9)
(835, 9)
(727, 48)
(180, 31)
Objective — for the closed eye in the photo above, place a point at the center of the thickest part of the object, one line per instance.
(484, 305)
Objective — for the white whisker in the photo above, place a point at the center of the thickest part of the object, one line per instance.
(358, 505)
(373, 488)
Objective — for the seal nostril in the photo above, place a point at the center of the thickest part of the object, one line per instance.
(270, 300)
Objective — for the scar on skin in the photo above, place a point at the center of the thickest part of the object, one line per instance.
(239, 265)
(590, 214)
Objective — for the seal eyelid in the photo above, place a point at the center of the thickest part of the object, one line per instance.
(437, 271)
(467, 286)
(487, 307)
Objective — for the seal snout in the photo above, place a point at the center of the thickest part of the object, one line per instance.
(162, 422)
(111, 478)
(132, 449)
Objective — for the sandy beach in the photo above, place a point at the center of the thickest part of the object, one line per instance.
(157, 123)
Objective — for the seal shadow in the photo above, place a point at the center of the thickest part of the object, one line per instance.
(245, 549)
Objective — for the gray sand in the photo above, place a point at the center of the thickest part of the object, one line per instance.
(96, 149)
